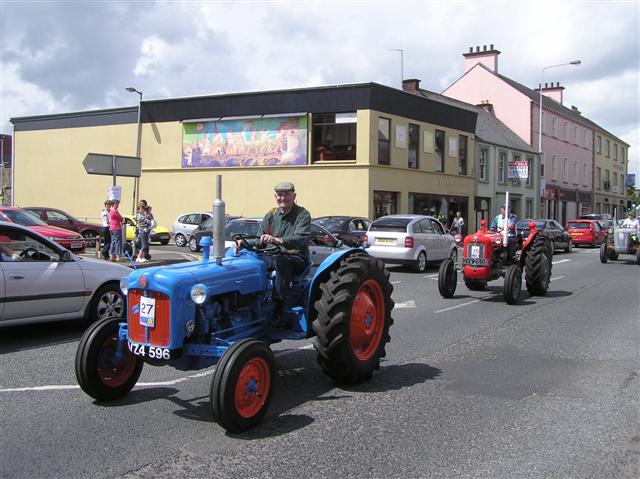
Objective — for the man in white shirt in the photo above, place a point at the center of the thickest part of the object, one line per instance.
(631, 221)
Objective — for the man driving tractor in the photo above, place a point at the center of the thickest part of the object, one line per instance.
(498, 225)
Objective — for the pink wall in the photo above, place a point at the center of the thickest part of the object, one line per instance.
(490, 59)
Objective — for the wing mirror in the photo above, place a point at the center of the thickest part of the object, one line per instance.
(65, 255)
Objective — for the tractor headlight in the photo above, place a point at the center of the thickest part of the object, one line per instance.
(198, 293)
(123, 285)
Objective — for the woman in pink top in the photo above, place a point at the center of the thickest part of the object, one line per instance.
(115, 228)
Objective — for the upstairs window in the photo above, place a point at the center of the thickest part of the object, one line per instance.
(598, 145)
(502, 167)
(615, 152)
(482, 164)
(414, 144)
(554, 127)
(384, 141)
(606, 148)
(334, 137)
(439, 151)
(462, 155)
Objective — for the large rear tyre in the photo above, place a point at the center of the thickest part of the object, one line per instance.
(101, 372)
(353, 318)
(538, 266)
(604, 254)
(447, 278)
(512, 283)
(475, 284)
(242, 385)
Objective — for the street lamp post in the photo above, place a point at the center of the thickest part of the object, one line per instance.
(136, 181)
(574, 62)
(401, 63)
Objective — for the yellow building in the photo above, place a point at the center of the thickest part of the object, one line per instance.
(610, 173)
(363, 149)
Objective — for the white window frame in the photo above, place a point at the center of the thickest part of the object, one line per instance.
(554, 127)
(615, 152)
(503, 159)
(530, 169)
(484, 157)
(565, 131)
(576, 136)
(575, 172)
(554, 167)
(565, 169)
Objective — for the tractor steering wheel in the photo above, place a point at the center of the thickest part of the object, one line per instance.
(242, 239)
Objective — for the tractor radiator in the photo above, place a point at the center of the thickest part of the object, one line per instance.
(474, 250)
(160, 333)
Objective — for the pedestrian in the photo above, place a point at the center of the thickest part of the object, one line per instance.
(152, 224)
(115, 229)
(143, 228)
(106, 234)
(457, 223)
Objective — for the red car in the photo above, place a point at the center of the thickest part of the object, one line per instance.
(68, 239)
(586, 232)
(56, 217)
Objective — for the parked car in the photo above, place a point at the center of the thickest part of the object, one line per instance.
(349, 229)
(159, 234)
(47, 282)
(68, 239)
(321, 242)
(413, 240)
(560, 239)
(586, 232)
(186, 223)
(606, 220)
(61, 219)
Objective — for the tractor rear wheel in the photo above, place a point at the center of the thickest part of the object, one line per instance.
(538, 266)
(447, 278)
(613, 256)
(353, 318)
(242, 385)
(475, 284)
(512, 283)
(99, 371)
(604, 254)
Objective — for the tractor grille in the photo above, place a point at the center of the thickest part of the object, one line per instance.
(474, 250)
(160, 334)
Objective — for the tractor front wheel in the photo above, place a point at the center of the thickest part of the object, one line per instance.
(512, 284)
(105, 369)
(447, 278)
(604, 254)
(538, 266)
(353, 319)
(242, 385)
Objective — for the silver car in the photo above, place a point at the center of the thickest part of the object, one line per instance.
(413, 240)
(40, 280)
(184, 225)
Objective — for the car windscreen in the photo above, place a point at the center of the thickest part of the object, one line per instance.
(578, 225)
(253, 228)
(391, 224)
(331, 223)
(24, 218)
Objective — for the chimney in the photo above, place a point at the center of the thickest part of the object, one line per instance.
(488, 57)
(554, 91)
(411, 86)
(575, 108)
(487, 106)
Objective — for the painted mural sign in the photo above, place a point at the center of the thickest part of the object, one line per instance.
(518, 170)
(245, 142)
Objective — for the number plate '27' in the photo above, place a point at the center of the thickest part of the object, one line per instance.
(147, 312)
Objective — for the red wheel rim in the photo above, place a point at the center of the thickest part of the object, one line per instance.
(110, 373)
(367, 320)
(252, 387)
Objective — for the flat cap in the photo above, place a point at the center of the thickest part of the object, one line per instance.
(285, 186)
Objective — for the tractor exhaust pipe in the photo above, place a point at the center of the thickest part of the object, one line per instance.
(218, 223)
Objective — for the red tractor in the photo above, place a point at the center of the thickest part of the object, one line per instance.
(486, 257)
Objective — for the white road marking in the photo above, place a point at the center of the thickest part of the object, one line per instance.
(405, 305)
(431, 276)
(560, 261)
(459, 305)
(557, 277)
(396, 282)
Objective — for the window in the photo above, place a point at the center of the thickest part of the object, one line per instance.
(615, 152)
(599, 145)
(384, 141)
(554, 170)
(516, 180)
(529, 209)
(622, 185)
(439, 152)
(385, 203)
(576, 137)
(565, 172)
(606, 184)
(482, 167)
(414, 143)
(606, 148)
(530, 170)
(57, 216)
(565, 131)
(598, 178)
(575, 172)
(334, 136)
(614, 177)
(621, 155)
(502, 168)
(554, 127)
(585, 173)
(541, 170)
(462, 155)
(586, 138)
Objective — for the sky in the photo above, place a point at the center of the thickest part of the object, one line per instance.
(66, 56)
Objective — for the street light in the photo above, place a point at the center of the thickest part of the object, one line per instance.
(401, 63)
(136, 181)
(574, 62)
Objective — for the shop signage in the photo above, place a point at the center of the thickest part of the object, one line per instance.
(518, 170)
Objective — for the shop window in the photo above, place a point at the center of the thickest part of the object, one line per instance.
(334, 137)
(384, 141)
(439, 151)
(414, 144)
(462, 155)
(482, 164)
(385, 203)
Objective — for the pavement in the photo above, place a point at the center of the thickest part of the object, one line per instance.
(160, 255)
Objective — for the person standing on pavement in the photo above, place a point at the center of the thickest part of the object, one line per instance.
(457, 224)
(106, 235)
(152, 224)
(287, 226)
(143, 228)
(115, 229)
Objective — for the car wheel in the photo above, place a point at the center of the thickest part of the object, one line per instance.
(180, 240)
(193, 245)
(107, 302)
(569, 247)
(421, 263)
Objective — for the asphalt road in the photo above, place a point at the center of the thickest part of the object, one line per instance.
(470, 388)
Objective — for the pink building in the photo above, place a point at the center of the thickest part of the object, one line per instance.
(567, 137)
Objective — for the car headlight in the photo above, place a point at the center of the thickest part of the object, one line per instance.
(123, 285)
(198, 293)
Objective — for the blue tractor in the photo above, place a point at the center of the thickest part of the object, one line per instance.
(217, 311)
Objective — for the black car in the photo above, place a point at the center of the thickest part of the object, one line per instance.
(349, 229)
(551, 228)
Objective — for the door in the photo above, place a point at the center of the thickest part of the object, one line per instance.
(39, 284)
(443, 241)
(429, 239)
(321, 245)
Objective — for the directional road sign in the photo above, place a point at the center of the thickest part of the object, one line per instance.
(101, 164)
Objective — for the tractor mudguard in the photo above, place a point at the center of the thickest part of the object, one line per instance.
(327, 264)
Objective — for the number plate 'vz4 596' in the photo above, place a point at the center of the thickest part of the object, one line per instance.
(151, 352)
